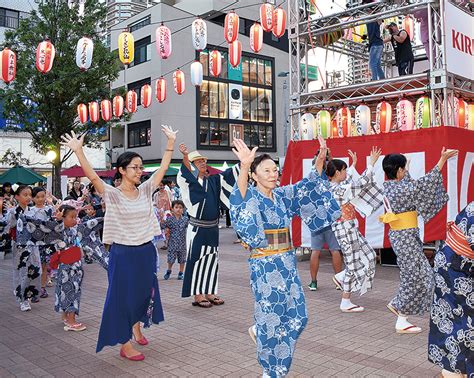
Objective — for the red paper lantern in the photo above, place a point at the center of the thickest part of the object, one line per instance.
(7, 65)
(179, 82)
(231, 27)
(160, 90)
(409, 26)
(383, 117)
(215, 63)
(256, 37)
(343, 122)
(131, 101)
(106, 110)
(82, 113)
(118, 106)
(279, 22)
(266, 16)
(145, 95)
(235, 53)
(94, 111)
(163, 41)
(45, 53)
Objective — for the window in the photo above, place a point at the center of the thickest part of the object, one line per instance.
(9, 18)
(139, 134)
(137, 86)
(204, 100)
(140, 24)
(142, 51)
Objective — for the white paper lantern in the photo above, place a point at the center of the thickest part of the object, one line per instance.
(362, 121)
(307, 125)
(199, 34)
(196, 73)
(84, 51)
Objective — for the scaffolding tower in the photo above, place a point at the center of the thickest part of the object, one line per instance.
(439, 84)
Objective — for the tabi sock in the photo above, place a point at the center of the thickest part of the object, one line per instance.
(340, 276)
(402, 322)
(346, 303)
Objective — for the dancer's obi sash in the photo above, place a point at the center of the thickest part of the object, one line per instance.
(203, 223)
(400, 221)
(458, 242)
(66, 256)
(279, 241)
(348, 212)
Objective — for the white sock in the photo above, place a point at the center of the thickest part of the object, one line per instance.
(402, 322)
(265, 375)
(346, 303)
(254, 330)
(340, 276)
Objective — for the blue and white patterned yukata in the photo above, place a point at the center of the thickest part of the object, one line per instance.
(177, 238)
(280, 308)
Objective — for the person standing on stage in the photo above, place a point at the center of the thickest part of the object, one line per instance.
(375, 50)
(202, 196)
(130, 224)
(400, 40)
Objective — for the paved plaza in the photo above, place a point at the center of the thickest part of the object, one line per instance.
(213, 342)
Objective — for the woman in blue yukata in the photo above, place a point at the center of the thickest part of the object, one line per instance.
(262, 215)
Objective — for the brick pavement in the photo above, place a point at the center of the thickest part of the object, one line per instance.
(213, 342)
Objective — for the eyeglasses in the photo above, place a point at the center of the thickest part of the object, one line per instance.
(137, 167)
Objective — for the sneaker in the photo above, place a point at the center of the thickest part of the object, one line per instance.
(167, 275)
(35, 299)
(25, 306)
(43, 293)
(180, 275)
(313, 286)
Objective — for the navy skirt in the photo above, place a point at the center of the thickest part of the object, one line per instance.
(133, 294)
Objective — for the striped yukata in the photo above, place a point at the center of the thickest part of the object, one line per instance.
(202, 198)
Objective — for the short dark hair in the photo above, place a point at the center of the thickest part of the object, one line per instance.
(391, 163)
(21, 188)
(65, 209)
(124, 160)
(177, 202)
(7, 184)
(36, 190)
(258, 160)
(335, 165)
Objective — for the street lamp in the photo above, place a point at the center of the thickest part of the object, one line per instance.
(51, 157)
(285, 109)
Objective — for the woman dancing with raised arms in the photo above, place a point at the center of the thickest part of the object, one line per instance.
(129, 226)
(262, 215)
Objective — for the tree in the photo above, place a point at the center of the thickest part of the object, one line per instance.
(45, 104)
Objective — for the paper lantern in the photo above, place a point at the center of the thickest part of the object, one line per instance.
(163, 41)
(84, 51)
(279, 22)
(423, 113)
(215, 63)
(323, 124)
(266, 16)
(470, 116)
(358, 32)
(343, 122)
(231, 27)
(160, 90)
(334, 133)
(94, 111)
(45, 53)
(361, 120)
(131, 101)
(196, 73)
(235, 53)
(118, 106)
(82, 113)
(179, 83)
(405, 115)
(146, 95)
(307, 126)
(106, 110)
(462, 113)
(256, 37)
(126, 47)
(453, 112)
(383, 118)
(7, 65)
(409, 26)
(199, 34)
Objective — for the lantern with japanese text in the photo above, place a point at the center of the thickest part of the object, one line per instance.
(163, 41)
(334, 133)
(160, 89)
(179, 82)
(470, 116)
(146, 95)
(45, 53)
(84, 51)
(82, 113)
(361, 120)
(94, 111)
(383, 118)
(131, 101)
(235, 53)
(231, 27)
(323, 124)
(106, 110)
(405, 115)
(462, 114)
(279, 22)
(343, 122)
(196, 73)
(423, 113)
(215, 63)
(199, 34)
(453, 111)
(7, 65)
(126, 47)
(256, 37)
(409, 26)
(118, 103)
(266, 16)
(307, 126)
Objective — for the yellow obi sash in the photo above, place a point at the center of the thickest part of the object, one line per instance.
(401, 221)
(279, 241)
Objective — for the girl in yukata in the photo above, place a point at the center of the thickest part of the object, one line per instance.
(405, 199)
(262, 216)
(359, 257)
(451, 342)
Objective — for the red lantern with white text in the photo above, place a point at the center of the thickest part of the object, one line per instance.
(106, 110)
(7, 65)
(199, 34)
(409, 26)
(45, 53)
(82, 113)
(196, 73)
(163, 41)
(235, 53)
(118, 106)
(231, 27)
(256, 37)
(343, 122)
(266, 16)
(215, 63)
(160, 90)
(279, 22)
(361, 120)
(146, 95)
(179, 82)
(94, 111)
(84, 51)
(383, 118)
(405, 115)
(131, 101)
(126, 47)
(334, 132)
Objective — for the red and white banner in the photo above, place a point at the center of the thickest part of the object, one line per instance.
(423, 147)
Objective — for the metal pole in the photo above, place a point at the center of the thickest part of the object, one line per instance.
(285, 110)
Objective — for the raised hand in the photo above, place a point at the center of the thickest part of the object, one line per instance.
(245, 154)
(353, 156)
(183, 149)
(374, 155)
(447, 154)
(72, 141)
(169, 132)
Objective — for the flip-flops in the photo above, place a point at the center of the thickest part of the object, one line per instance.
(337, 283)
(252, 334)
(77, 327)
(354, 308)
(216, 301)
(412, 329)
(393, 309)
(204, 303)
